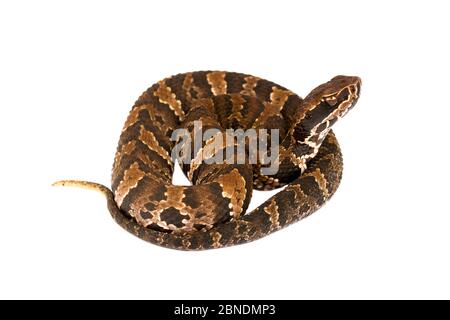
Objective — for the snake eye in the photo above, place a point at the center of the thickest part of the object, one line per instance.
(331, 101)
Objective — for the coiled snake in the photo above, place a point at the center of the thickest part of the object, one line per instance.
(211, 212)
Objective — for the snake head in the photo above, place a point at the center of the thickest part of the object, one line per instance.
(334, 98)
(324, 106)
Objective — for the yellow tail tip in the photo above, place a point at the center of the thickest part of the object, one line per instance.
(83, 184)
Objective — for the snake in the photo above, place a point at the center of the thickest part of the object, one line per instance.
(211, 212)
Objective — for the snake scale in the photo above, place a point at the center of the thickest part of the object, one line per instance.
(211, 213)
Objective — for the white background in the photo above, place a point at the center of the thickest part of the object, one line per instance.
(70, 72)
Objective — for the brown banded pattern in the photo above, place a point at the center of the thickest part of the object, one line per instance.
(211, 213)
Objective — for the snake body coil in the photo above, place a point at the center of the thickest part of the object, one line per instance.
(212, 212)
